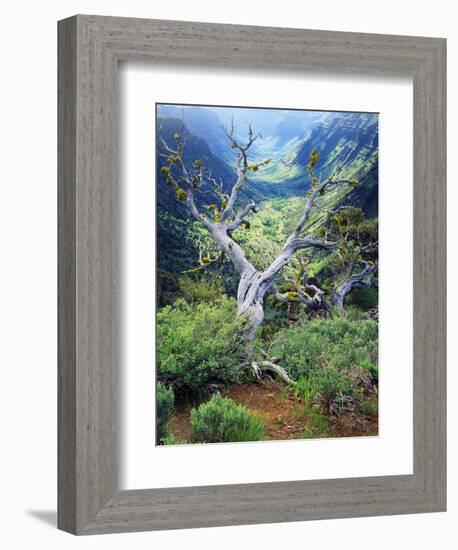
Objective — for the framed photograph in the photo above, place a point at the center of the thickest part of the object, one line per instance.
(251, 275)
(230, 197)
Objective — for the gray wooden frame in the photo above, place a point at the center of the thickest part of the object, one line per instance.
(90, 48)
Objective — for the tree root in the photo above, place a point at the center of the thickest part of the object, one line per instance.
(269, 366)
(266, 365)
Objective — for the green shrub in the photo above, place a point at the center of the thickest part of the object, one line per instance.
(337, 343)
(198, 289)
(170, 439)
(352, 313)
(222, 420)
(165, 401)
(306, 389)
(328, 385)
(333, 387)
(318, 425)
(323, 356)
(371, 367)
(197, 345)
(369, 408)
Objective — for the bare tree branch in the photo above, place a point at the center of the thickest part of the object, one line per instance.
(312, 202)
(268, 365)
(363, 279)
(241, 164)
(240, 218)
(166, 147)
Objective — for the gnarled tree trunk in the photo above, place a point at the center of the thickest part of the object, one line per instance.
(250, 300)
(363, 279)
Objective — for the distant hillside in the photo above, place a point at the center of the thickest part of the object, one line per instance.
(277, 127)
(352, 142)
(348, 139)
(292, 125)
(202, 123)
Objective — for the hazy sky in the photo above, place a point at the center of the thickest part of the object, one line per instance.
(266, 121)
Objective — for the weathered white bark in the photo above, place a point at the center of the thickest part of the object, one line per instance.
(272, 367)
(363, 279)
(310, 296)
(254, 284)
(257, 367)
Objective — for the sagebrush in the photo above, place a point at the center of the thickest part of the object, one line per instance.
(222, 420)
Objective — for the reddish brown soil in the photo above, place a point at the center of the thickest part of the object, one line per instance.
(355, 424)
(285, 416)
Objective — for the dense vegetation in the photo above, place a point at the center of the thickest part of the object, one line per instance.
(221, 420)
(198, 345)
(318, 332)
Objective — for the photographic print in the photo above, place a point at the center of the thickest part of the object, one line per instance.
(266, 274)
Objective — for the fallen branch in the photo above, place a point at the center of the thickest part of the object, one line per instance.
(266, 365)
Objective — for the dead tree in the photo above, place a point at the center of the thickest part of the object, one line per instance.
(224, 216)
